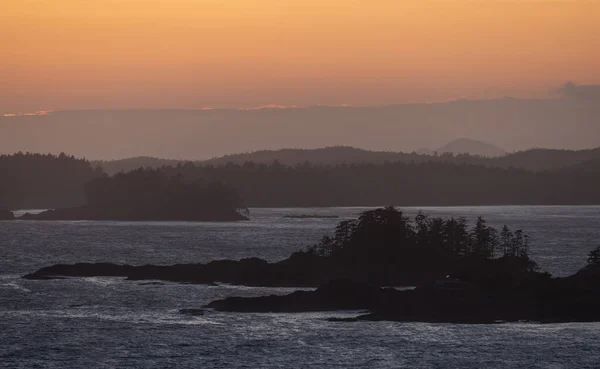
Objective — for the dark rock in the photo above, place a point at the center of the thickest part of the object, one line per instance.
(300, 270)
(27, 216)
(487, 294)
(82, 270)
(470, 306)
(311, 216)
(192, 312)
(335, 295)
(99, 213)
(549, 302)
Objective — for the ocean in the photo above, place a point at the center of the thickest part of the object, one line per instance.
(110, 322)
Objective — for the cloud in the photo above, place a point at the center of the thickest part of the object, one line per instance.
(575, 91)
(271, 106)
(36, 114)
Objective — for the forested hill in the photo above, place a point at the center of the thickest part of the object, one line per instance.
(126, 165)
(534, 159)
(403, 184)
(588, 166)
(43, 181)
(151, 195)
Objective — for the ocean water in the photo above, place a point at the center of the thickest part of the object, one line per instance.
(109, 322)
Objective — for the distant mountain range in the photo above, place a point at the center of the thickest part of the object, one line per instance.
(533, 159)
(466, 146)
(360, 178)
(512, 124)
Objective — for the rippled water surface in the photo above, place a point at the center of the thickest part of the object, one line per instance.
(109, 322)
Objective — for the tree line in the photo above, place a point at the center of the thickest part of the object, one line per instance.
(386, 232)
(149, 194)
(48, 181)
(533, 159)
(32, 181)
(399, 183)
(386, 247)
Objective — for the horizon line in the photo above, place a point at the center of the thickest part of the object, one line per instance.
(202, 160)
(269, 107)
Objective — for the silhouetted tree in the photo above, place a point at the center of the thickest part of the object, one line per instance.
(386, 234)
(484, 240)
(594, 256)
(457, 235)
(506, 237)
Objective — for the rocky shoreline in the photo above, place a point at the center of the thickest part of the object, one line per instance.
(104, 214)
(458, 278)
(299, 270)
(477, 299)
(552, 301)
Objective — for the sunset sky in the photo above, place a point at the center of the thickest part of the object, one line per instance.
(99, 54)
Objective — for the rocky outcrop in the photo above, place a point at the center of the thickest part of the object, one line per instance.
(382, 249)
(487, 291)
(192, 312)
(100, 213)
(300, 270)
(334, 295)
(435, 303)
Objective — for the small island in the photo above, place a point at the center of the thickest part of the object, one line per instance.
(311, 216)
(463, 274)
(151, 195)
(535, 298)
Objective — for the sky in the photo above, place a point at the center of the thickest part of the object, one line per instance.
(125, 54)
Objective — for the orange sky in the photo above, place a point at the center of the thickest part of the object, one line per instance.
(80, 54)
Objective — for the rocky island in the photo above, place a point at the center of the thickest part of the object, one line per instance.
(311, 216)
(381, 247)
(477, 275)
(537, 298)
(151, 195)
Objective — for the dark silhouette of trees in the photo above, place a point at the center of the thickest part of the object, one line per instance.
(39, 181)
(514, 244)
(382, 247)
(43, 181)
(594, 256)
(383, 243)
(403, 184)
(151, 194)
(533, 159)
(484, 242)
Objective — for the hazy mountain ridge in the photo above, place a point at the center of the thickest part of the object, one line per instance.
(471, 147)
(513, 124)
(129, 164)
(533, 159)
(449, 181)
